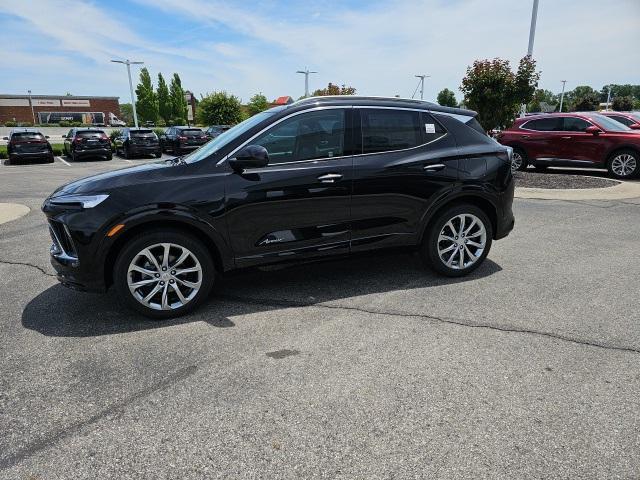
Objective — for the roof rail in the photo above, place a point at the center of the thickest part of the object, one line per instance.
(359, 97)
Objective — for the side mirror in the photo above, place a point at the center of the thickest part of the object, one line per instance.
(635, 126)
(5, 138)
(251, 156)
(593, 130)
(46, 136)
(64, 136)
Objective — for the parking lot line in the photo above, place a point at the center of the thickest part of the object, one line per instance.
(126, 160)
(64, 161)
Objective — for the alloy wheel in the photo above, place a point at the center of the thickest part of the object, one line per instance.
(164, 276)
(624, 164)
(462, 241)
(516, 162)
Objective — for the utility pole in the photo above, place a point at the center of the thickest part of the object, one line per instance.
(562, 95)
(421, 85)
(532, 36)
(33, 115)
(128, 63)
(608, 96)
(306, 73)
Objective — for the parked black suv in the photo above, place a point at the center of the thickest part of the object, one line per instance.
(87, 142)
(182, 139)
(323, 176)
(27, 144)
(137, 141)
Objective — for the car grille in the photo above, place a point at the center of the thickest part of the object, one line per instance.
(63, 247)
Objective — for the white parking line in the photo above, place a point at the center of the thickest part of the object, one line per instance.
(126, 160)
(64, 161)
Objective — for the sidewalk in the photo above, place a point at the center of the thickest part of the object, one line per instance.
(619, 192)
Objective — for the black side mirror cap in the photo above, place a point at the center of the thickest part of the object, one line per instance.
(251, 156)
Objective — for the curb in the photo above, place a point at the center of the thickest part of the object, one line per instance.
(12, 211)
(619, 192)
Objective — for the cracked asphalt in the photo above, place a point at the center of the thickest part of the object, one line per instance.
(367, 367)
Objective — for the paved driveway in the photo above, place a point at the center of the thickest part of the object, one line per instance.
(362, 368)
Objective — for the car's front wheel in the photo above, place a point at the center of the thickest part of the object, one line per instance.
(458, 240)
(164, 274)
(624, 164)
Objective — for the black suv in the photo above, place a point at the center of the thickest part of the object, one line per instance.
(137, 141)
(182, 139)
(27, 144)
(320, 177)
(87, 142)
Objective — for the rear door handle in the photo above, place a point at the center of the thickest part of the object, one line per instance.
(566, 138)
(525, 136)
(329, 177)
(434, 168)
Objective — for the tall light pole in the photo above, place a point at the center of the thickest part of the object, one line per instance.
(532, 36)
(306, 73)
(421, 85)
(33, 115)
(608, 96)
(128, 63)
(562, 95)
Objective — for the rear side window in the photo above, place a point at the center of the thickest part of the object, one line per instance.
(385, 130)
(475, 124)
(623, 120)
(550, 124)
(574, 124)
(432, 130)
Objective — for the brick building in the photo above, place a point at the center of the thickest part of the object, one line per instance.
(56, 108)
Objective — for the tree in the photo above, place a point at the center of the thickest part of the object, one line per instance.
(178, 102)
(164, 100)
(219, 108)
(334, 90)
(257, 104)
(126, 113)
(496, 93)
(543, 101)
(582, 98)
(447, 98)
(147, 103)
(622, 104)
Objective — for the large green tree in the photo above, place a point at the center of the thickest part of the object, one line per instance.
(164, 99)
(622, 104)
(178, 102)
(447, 98)
(219, 108)
(334, 90)
(582, 98)
(496, 93)
(147, 102)
(257, 104)
(543, 101)
(126, 113)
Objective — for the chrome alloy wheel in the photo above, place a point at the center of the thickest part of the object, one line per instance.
(516, 161)
(624, 164)
(462, 241)
(164, 276)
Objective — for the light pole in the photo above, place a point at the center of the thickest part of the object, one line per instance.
(421, 84)
(33, 115)
(562, 95)
(128, 63)
(306, 73)
(532, 36)
(608, 96)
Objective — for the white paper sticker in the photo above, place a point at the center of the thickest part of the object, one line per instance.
(430, 127)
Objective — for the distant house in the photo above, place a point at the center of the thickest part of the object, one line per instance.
(282, 101)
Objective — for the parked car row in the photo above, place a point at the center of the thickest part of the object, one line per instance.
(578, 139)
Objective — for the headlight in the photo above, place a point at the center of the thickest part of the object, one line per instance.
(84, 201)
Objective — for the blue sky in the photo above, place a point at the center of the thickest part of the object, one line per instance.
(244, 47)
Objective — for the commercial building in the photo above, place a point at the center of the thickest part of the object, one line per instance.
(43, 109)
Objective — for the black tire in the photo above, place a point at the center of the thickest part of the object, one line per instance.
(51, 158)
(142, 241)
(73, 157)
(523, 155)
(429, 247)
(631, 168)
(109, 157)
(125, 151)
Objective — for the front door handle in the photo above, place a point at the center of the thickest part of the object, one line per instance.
(525, 136)
(566, 138)
(434, 168)
(329, 177)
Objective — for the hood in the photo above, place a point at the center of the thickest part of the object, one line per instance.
(104, 182)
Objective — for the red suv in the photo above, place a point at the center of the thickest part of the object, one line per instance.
(630, 119)
(574, 140)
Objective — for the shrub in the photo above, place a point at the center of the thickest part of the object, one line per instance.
(3, 152)
(11, 124)
(219, 108)
(57, 149)
(159, 131)
(115, 134)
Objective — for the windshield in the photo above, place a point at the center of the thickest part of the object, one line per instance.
(609, 124)
(221, 140)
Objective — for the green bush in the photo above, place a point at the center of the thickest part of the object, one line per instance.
(115, 134)
(57, 149)
(3, 151)
(10, 124)
(159, 131)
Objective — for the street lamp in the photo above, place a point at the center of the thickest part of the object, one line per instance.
(608, 96)
(306, 73)
(532, 35)
(128, 63)
(562, 95)
(421, 85)
(33, 115)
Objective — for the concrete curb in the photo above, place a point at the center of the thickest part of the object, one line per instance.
(12, 211)
(619, 192)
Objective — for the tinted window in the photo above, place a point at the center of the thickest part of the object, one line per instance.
(609, 124)
(91, 134)
(574, 124)
(432, 129)
(195, 132)
(623, 120)
(305, 137)
(142, 133)
(385, 130)
(27, 137)
(544, 124)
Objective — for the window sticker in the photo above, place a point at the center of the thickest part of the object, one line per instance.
(430, 127)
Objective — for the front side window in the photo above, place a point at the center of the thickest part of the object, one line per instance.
(307, 136)
(574, 124)
(385, 130)
(551, 124)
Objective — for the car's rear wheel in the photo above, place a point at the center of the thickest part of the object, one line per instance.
(519, 160)
(624, 164)
(458, 240)
(164, 274)
(51, 158)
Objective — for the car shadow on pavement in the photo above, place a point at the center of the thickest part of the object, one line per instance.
(61, 312)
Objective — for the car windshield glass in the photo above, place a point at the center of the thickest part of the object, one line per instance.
(92, 134)
(221, 140)
(192, 133)
(27, 137)
(141, 133)
(609, 124)
(635, 116)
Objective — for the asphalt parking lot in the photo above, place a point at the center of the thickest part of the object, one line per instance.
(368, 367)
